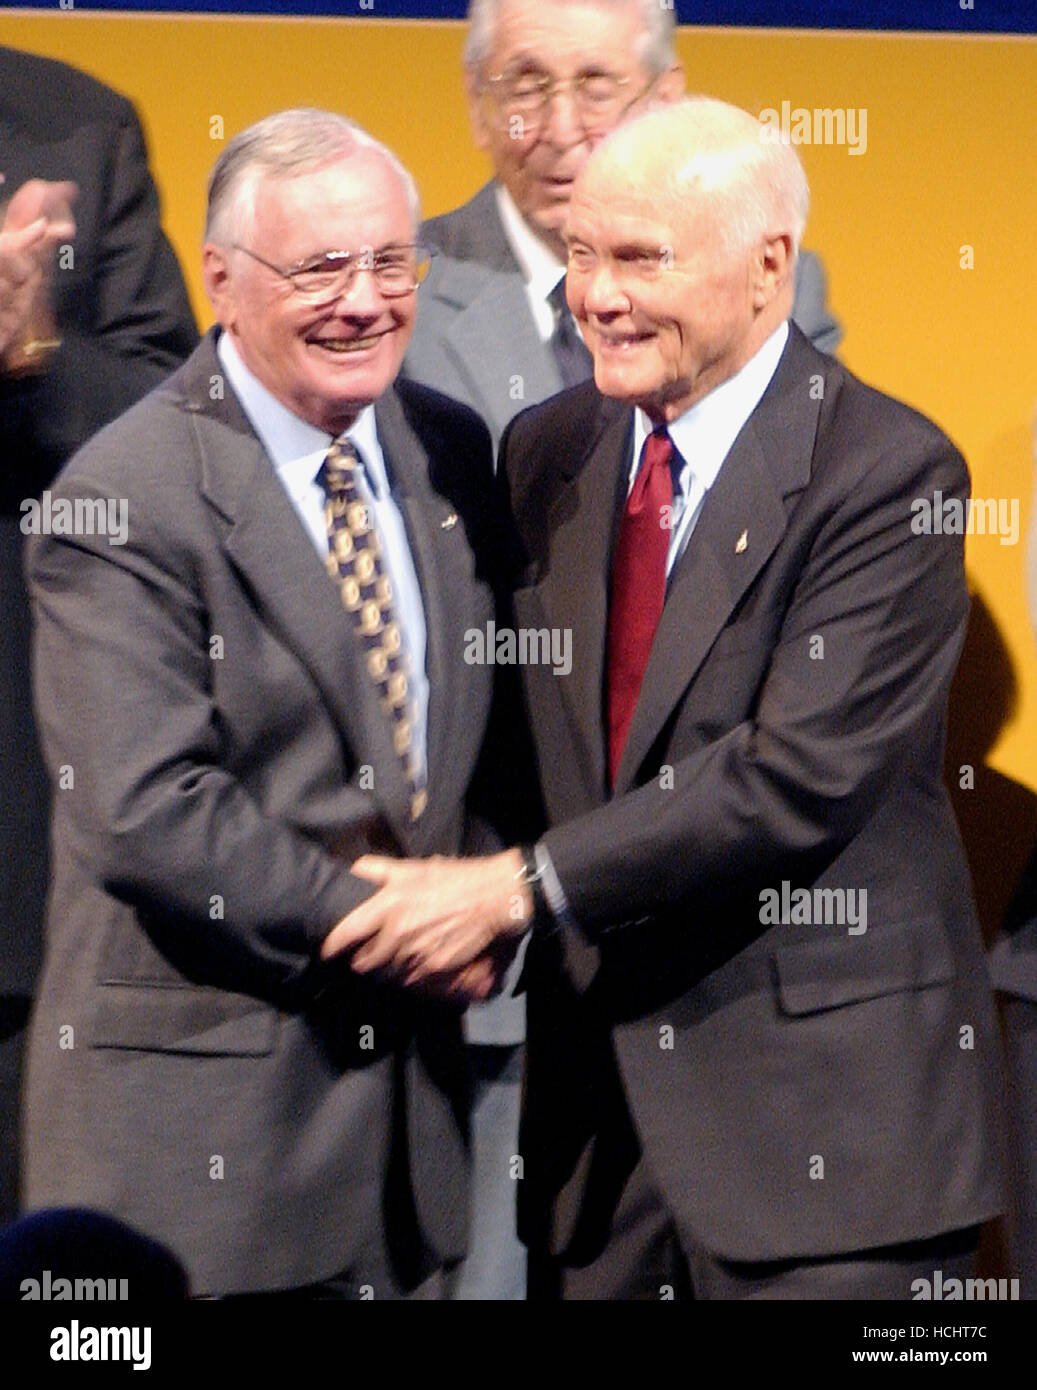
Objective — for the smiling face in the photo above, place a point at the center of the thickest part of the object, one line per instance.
(666, 309)
(324, 363)
(538, 161)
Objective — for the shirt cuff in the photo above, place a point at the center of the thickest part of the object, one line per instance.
(553, 890)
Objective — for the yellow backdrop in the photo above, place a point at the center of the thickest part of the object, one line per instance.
(949, 163)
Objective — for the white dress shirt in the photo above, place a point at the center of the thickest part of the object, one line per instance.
(541, 268)
(703, 436)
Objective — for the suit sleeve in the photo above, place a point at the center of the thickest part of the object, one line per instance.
(834, 725)
(810, 311)
(123, 677)
(135, 325)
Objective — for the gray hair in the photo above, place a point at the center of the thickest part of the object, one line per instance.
(288, 142)
(654, 48)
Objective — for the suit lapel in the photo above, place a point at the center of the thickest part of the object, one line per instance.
(582, 523)
(768, 462)
(481, 233)
(445, 571)
(496, 347)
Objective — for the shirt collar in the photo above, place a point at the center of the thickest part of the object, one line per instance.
(704, 434)
(295, 447)
(541, 268)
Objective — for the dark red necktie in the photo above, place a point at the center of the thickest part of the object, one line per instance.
(638, 587)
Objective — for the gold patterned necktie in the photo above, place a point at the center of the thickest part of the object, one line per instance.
(355, 562)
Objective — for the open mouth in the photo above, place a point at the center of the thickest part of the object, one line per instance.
(341, 347)
(621, 342)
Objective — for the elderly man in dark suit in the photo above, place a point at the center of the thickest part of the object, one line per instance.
(546, 81)
(762, 1053)
(253, 682)
(93, 314)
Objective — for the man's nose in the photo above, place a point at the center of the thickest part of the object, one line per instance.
(361, 295)
(560, 121)
(604, 293)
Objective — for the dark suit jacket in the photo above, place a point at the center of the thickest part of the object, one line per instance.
(789, 730)
(475, 337)
(123, 315)
(221, 789)
(476, 340)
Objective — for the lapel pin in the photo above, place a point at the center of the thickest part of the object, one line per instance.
(449, 523)
(742, 543)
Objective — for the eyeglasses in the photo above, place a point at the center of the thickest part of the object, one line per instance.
(397, 270)
(598, 96)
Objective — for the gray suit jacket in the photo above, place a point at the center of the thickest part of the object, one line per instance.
(193, 1068)
(476, 339)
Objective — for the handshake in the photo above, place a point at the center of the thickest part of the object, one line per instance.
(447, 927)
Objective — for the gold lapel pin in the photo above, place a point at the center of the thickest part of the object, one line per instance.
(742, 543)
(449, 523)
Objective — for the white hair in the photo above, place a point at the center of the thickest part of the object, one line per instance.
(654, 48)
(297, 141)
(752, 181)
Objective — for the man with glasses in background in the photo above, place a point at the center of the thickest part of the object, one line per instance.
(547, 80)
(265, 685)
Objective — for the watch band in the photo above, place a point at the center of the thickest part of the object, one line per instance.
(532, 875)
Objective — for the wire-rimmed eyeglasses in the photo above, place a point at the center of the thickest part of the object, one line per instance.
(397, 270)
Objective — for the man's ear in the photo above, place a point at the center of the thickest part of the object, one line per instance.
(773, 268)
(671, 85)
(476, 109)
(217, 280)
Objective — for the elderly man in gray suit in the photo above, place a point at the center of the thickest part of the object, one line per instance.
(547, 80)
(248, 680)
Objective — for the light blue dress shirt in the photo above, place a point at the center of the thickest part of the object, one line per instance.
(297, 450)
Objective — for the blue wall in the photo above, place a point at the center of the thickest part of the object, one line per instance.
(987, 16)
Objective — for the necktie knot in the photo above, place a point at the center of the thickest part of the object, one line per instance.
(575, 363)
(556, 298)
(655, 472)
(338, 471)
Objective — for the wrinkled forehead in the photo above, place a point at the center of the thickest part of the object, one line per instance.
(360, 179)
(567, 37)
(606, 211)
